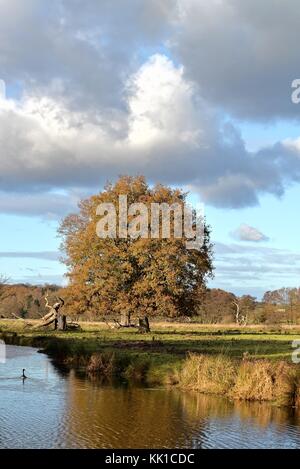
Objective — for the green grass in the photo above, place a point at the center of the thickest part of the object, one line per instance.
(169, 339)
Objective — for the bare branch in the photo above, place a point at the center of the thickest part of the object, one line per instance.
(61, 300)
(237, 315)
(47, 304)
(26, 323)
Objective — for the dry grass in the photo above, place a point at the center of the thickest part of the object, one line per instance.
(102, 363)
(208, 374)
(257, 380)
(266, 381)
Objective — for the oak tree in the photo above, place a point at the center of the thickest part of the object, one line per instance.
(142, 276)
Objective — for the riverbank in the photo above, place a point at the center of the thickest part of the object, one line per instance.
(251, 363)
(56, 408)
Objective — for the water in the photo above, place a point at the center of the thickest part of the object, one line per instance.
(55, 409)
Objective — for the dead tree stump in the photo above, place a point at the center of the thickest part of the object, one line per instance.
(62, 322)
(54, 316)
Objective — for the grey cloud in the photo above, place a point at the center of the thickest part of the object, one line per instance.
(69, 150)
(46, 255)
(78, 123)
(45, 205)
(243, 54)
(80, 50)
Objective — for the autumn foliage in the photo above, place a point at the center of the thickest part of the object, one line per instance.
(25, 301)
(132, 276)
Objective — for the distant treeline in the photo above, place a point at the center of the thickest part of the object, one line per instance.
(24, 301)
(215, 305)
(280, 306)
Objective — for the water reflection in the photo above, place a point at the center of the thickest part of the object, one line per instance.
(125, 417)
(55, 409)
(140, 418)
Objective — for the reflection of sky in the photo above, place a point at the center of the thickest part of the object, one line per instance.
(30, 410)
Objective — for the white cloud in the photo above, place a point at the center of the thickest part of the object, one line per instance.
(161, 105)
(248, 233)
(46, 145)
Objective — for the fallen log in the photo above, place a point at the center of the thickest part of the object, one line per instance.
(26, 323)
(46, 323)
(47, 316)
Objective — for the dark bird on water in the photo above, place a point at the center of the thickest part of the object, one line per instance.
(23, 374)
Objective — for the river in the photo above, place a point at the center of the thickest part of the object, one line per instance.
(59, 409)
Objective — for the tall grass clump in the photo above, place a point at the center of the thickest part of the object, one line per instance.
(263, 380)
(102, 363)
(252, 380)
(137, 370)
(208, 374)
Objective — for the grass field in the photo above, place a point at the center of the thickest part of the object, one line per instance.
(173, 353)
(173, 338)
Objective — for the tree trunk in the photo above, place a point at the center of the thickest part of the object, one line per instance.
(125, 319)
(144, 325)
(62, 322)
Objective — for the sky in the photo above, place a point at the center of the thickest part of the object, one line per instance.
(190, 93)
